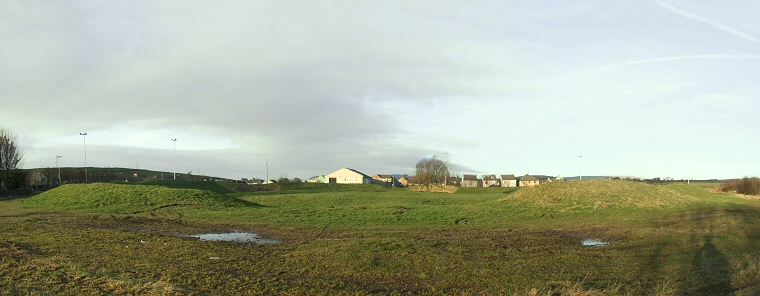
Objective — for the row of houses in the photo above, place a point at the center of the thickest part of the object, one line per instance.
(505, 180)
(351, 176)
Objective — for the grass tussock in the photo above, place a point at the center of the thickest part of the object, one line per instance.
(746, 185)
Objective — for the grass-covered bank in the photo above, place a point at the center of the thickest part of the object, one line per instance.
(666, 240)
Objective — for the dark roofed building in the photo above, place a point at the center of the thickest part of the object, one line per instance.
(508, 180)
(528, 180)
(491, 181)
(453, 181)
(470, 181)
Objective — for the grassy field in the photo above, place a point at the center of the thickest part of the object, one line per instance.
(335, 239)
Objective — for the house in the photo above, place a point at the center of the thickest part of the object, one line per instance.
(384, 178)
(508, 180)
(453, 181)
(38, 179)
(491, 181)
(545, 179)
(348, 176)
(317, 179)
(404, 181)
(470, 181)
(528, 180)
(254, 181)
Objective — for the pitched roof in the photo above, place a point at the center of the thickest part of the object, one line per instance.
(489, 177)
(358, 172)
(528, 178)
(508, 177)
(352, 170)
(470, 177)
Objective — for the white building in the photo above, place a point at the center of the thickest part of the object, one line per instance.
(508, 180)
(347, 176)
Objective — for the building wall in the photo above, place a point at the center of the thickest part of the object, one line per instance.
(470, 183)
(346, 176)
(320, 179)
(490, 182)
(508, 183)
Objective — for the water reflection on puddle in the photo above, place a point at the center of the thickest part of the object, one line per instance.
(238, 237)
(592, 242)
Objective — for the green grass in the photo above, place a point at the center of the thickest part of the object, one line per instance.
(136, 197)
(119, 239)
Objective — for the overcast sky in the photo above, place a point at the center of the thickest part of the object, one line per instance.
(638, 88)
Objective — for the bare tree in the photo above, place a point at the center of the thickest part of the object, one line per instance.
(431, 171)
(10, 155)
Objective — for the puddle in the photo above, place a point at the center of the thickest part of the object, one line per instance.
(592, 242)
(238, 237)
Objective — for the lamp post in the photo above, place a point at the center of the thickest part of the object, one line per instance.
(175, 159)
(84, 140)
(59, 169)
(580, 167)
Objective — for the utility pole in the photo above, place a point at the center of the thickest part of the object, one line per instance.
(267, 180)
(580, 167)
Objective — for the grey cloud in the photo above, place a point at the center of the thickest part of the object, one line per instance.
(313, 86)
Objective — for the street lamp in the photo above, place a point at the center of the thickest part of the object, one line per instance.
(580, 166)
(59, 169)
(84, 140)
(175, 158)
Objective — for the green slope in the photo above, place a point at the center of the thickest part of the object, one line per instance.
(130, 198)
(610, 193)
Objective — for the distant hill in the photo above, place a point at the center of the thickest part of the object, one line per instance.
(588, 178)
(74, 175)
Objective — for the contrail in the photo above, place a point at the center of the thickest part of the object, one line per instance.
(663, 59)
(676, 58)
(710, 22)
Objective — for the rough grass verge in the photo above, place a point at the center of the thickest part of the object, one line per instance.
(746, 185)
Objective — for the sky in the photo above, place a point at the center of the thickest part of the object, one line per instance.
(303, 88)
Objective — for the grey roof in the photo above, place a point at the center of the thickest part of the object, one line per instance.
(470, 177)
(358, 172)
(508, 177)
(489, 177)
(528, 178)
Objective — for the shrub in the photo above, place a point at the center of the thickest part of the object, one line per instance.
(746, 185)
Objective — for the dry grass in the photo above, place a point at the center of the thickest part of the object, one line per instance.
(607, 194)
(437, 189)
(745, 186)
